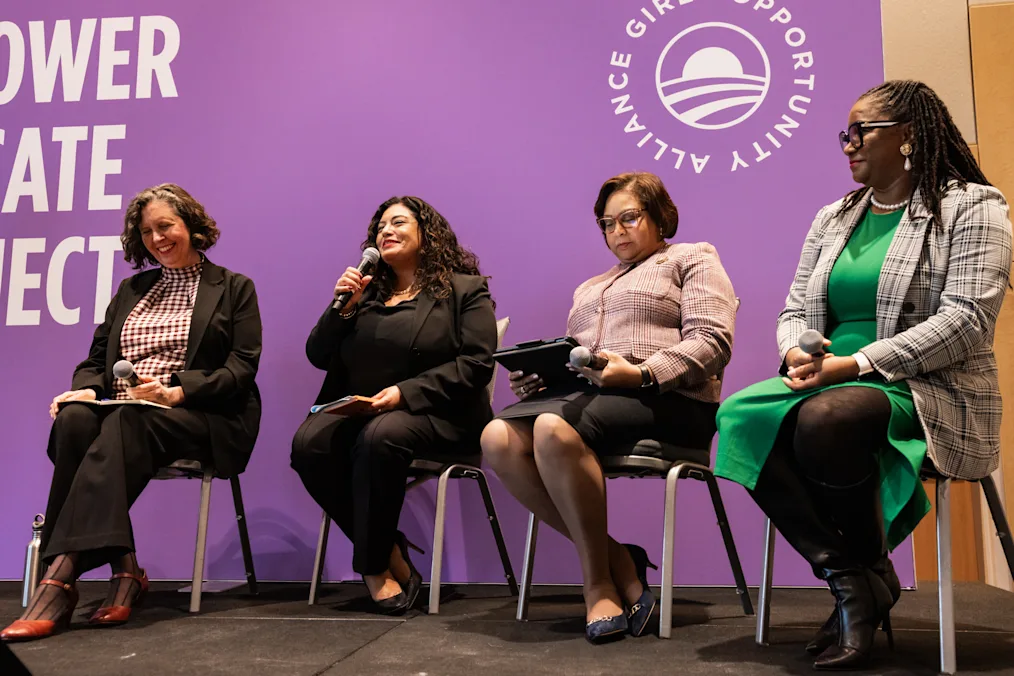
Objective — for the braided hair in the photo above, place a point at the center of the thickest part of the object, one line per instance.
(939, 152)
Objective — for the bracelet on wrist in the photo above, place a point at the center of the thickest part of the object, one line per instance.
(351, 313)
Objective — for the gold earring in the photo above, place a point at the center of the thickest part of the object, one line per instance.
(906, 150)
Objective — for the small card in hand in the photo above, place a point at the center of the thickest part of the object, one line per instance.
(350, 405)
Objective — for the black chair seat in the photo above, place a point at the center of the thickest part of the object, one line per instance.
(434, 464)
(649, 455)
(192, 469)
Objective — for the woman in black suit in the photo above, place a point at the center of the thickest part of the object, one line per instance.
(418, 336)
(192, 330)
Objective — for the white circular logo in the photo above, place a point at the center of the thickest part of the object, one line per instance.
(713, 75)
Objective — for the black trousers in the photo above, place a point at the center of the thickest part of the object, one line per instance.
(103, 458)
(356, 469)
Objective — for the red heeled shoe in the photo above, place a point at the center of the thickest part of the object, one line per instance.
(31, 630)
(110, 616)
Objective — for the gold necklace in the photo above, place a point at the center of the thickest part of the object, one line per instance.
(406, 292)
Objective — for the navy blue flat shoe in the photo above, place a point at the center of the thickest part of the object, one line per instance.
(639, 613)
(606, 629)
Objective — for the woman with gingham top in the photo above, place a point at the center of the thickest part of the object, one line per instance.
(192, 330)
(663, 316)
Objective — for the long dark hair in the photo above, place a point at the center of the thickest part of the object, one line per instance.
(939, 152)
(440, 255)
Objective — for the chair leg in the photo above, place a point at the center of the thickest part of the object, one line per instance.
(494, 523)
(202, 543)
(438, 541)
(318, 558)
(764, 594)
(948, 658)
(527, 568)
(244, 535)
(999, 520)
(668, 536)
(730, 544)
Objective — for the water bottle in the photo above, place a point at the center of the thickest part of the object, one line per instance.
(33, 562)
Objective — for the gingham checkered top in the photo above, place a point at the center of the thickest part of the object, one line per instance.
(674, 312)
(155, 333)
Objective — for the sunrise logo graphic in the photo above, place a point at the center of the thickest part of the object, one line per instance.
(713, 75)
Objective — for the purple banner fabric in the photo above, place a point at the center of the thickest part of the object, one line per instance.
(293, 121)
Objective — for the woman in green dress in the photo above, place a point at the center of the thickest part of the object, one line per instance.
(905, 277)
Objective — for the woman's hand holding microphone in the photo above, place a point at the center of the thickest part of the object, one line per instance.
(354, 282)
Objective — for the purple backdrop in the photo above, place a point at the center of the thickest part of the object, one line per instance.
(292, 123)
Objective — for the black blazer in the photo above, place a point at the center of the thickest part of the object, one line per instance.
(450, 358)
(223, 350)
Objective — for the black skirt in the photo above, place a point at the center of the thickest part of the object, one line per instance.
(608, 417)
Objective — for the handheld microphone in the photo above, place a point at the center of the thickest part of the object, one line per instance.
(370, 258)
(582, 356)
(811, 342)
(124, 370)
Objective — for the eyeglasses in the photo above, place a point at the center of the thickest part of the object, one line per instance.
(854, 134)
(628, 219)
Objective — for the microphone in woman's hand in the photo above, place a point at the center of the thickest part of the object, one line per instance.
(582, 356)
(124, 370)
(811, 342)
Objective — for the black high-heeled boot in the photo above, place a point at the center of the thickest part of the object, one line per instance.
(864, 603)
(827, 635)
(856, 511)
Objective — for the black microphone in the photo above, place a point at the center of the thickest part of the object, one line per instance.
(370, 258)
(582, 356)
(811, 342)
(124, 370)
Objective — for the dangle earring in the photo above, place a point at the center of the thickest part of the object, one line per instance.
(906, 150)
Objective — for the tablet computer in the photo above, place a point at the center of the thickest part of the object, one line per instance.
(548, 358)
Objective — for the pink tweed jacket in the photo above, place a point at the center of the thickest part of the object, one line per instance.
(675, 312)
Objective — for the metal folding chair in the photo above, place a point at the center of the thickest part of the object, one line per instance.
(194, 469)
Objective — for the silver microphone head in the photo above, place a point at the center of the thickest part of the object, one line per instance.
(811, 342)
(372, 254)
(580, 356)
(123, 369)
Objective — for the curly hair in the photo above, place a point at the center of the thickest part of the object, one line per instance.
(939, 152)
(440, 255)
(650, 192)
(202, 227)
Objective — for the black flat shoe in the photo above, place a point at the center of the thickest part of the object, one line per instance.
(639, 613)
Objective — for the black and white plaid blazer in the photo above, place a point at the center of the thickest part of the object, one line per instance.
(939, 295)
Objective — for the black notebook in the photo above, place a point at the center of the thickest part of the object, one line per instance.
(547, 358)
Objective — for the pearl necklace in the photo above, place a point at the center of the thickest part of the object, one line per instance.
(887, 207)
(405, 292)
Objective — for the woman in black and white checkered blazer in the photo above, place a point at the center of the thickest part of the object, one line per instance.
(905, 277)
(192, 331)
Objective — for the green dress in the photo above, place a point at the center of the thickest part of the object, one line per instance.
(749, 420)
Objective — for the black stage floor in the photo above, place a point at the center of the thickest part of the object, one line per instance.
(276, 632)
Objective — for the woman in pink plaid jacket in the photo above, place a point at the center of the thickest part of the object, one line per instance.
(662, 318)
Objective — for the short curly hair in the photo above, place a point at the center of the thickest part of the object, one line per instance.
(202, 227)
(650, 192)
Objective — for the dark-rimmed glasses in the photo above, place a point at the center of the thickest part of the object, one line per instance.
(628, 219)
(854, 134)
